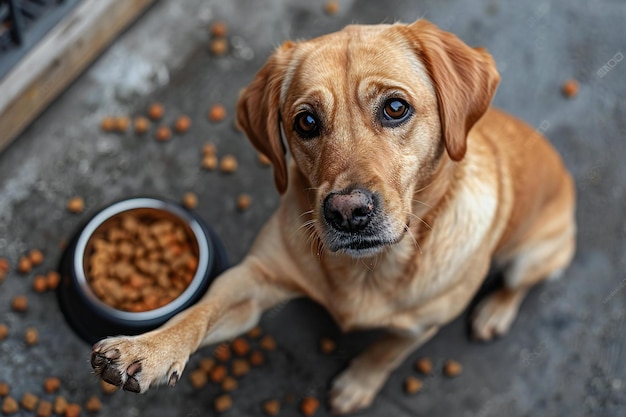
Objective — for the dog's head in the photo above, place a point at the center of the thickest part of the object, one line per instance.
(368, 113)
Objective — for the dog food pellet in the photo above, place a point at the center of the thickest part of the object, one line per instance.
(60, 406)
(327, 345)
(4, 389)
(122, 124)
(268, 343)
(222, 352)
(4, 265)
(93, 404)
(206, 364)
(331, 7)
(240, 367)
(217, 113)
(29, 401)
(182, 124)
(244, 201)
(223, 403)
(72, 410)
(36, 257)
(271, 407)
(163, 133)
(40, 284)
(452, 368)
(219, 46)
(228, 164)
(31, 336)
(219, 29)
(24, 265)
(107, 388)
(53, 279)
(156, 111)
(51, 385)
(229, 384)
(257, 358)
(209, 162)
(255, 332)
(412, 385)
(4, 331)
(19, 303)
(75, 204)
(570, 88)
(44, 409)
(107, 124)
(9, 406)
(142, 125)
(209, 149)
(309, 406)
(424, 366)
(198, 378)
(218, 373)
(240, 346)
(264, 160)
(190, 200)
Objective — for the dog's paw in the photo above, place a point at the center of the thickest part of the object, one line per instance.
(355, 389)
(136, 363)
(493, 316)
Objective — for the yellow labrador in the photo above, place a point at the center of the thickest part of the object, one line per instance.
(402, 188)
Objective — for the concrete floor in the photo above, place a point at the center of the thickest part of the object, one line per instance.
(564, 355)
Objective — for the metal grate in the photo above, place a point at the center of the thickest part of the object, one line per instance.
(23, 23)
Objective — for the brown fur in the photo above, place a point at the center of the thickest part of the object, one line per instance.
(460, 186)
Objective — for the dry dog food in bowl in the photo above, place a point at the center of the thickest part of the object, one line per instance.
(134, 265)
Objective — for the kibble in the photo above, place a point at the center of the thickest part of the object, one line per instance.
(257, 358)
(271, 407)
(29, 401)
(59, 406)
(412, 385)
(309, 406)
(4, 268)
(240, 367)
(93, 404)
(122, 123)
(182, 124)
(244, 201)
(73, 410)
(24, 265)
(209, 149)
(142, 125)
(19, 303)
(264, 160)
(76, 204)
(424, 366)
(44, 409)
(327, 346)
(219, 29)
(40, 284)
(4, 331)
(51, 384)
(222, 352)
(452, 368)
(53, 279)
(36, 257)
(218, 373)
(570, 88)
(206, 364)
(107, 124)
(31, 336)
(223, 403)
(219, 47)
(107, 388)
(198, 378)
(331, 7)
(9, 406)
(156, 111)
(255, 332)
(209, 162)
(240, 346)
(228, 164)
(268, 343)
(217, 113)
(190, 200)
(4, 389)
(229, 384)
(163, 134)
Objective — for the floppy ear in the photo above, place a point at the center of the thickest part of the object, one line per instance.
(258, 112)
(465, 80)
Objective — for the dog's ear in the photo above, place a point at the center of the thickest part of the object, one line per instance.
(465, 80)
(258, 112)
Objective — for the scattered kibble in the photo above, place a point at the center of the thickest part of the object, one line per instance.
(209, 149)
(412, 385)
(424, 366)
(4, 268)
(222, 352)
(257, 358)
(264, 160)
(163, 133)
(51, 384)
(31, 336)
(93, 404)
(240, 346)
(4, 331)
(198, 378)
(190, 200)
(40, 284)
(331, 7)
(271, 407)
(182, 124)
(218, 373)
(209, 162)
(72, 410)
(53, 278)
(228, 164)
(309, 406)
(29, 401)
(4, 389)
(76, 204)
(223, 403)
(243, 202)
(9, 406)
(240, 367)
(59, 406)
(122, 123)
(255, 332)
(36, 257)
(24, 265)
(44, 409)
(219, 29)
(107, 388)
(107, 124)
(156, 111)
(142, 125)
(268, 343)
(219, 46)
(217, 113)
(206, 364)
(570, 88)
(452, 368)
(19, 303)
(229, 384)
(327, 345)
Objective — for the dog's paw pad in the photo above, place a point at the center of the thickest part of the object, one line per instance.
(493, 317)
(352, 392)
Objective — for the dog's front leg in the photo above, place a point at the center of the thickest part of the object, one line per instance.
(232, 305)
(356, 387)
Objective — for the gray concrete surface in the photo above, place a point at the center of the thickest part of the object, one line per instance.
(563, 357)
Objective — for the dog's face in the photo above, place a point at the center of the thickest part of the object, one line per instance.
(367, 113)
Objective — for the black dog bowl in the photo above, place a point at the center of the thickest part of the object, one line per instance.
(92, 318)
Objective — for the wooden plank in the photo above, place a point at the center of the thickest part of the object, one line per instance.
(59, 58)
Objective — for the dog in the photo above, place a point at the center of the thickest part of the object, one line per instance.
(401, 189)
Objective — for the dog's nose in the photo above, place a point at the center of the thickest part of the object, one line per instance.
(349, 211)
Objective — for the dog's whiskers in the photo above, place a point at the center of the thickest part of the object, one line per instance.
(422, 203)
(418, 218)
(408, 230)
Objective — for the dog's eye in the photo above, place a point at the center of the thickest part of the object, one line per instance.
(395, 109)
(306, 125)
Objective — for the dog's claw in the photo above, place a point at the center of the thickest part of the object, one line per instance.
(173, 379)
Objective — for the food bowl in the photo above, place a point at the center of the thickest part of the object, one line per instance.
(90, 313)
